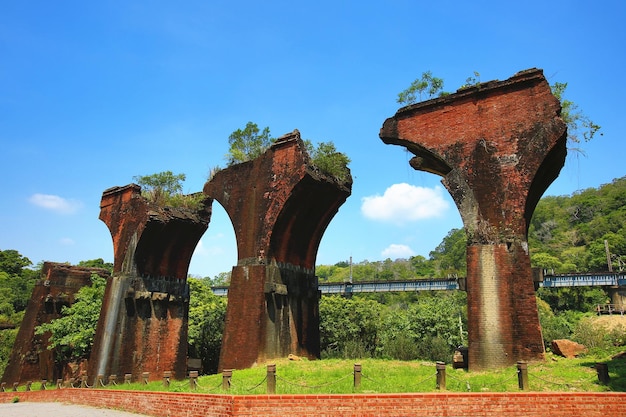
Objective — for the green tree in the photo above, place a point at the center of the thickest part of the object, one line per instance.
(248, 143)
(349, 326)
(16, 279)
(207, 313)
(427, 84)
(71, 335)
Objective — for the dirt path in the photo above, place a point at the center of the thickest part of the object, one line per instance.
(27, 409)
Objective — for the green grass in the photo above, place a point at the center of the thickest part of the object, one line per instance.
(334, 376)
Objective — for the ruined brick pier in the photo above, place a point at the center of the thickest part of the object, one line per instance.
(30, 359)
(143, 321)
(280, 206)
(498, 146)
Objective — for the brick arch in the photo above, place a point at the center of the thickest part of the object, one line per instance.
(497, 146)
(280, 207)
(143, 321)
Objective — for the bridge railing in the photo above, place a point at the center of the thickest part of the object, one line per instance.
(542, 279)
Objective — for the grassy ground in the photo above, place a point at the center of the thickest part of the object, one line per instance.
(387, 376)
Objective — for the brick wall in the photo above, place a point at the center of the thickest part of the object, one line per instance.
(523, 404)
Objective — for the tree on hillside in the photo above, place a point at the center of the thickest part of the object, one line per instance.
(568, 233)
(449, 256)
(427, 84)
(248, 143)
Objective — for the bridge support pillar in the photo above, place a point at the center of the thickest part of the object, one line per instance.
(498, 146)
(143, 321)
(280, 206)
(618, 297)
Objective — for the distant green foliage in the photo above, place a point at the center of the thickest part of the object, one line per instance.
(71, 335)
(326, 158)
(427, 328)
(426, 85)
(207, 313)
(567, 233)
(349, 326)
(16, 285)
(7, 339)
(248, 143)
(166, 189)
(97, 263)
(449, 257)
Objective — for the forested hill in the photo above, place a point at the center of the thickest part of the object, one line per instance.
(567, 234)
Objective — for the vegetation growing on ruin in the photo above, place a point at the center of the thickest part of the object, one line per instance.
(166, 189)
(326, 158)
(426, 86)
(250, 142)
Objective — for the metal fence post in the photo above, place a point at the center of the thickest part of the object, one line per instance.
(522, 375)
(271, 379)
(357, 375)
(441, 375)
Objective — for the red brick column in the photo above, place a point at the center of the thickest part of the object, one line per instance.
(143, 321)
(280, 206)
(498, 146)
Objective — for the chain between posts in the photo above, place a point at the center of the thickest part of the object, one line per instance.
(522, 374)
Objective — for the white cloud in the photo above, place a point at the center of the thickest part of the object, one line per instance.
(395, 251)
(207, 251)
(403, 203)
(55, 203)
(66, 241)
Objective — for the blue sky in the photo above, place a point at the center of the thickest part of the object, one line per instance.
(94, 93)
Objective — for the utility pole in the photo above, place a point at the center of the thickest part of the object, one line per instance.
(608, 255)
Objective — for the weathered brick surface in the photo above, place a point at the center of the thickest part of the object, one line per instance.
(30, 359)
(160, 404)
(143, 321)
(498, 146)
(280, 206)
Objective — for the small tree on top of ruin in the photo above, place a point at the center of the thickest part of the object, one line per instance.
(427, 84)
(166, 189)
(248, 143)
